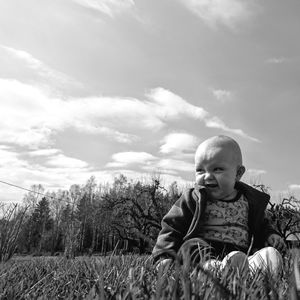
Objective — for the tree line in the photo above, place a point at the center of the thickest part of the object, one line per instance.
(124, 216)
(93, 218)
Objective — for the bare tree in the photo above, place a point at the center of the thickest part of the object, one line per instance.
(285, 216)
(136, 210)
(10, 226)
(73, 226)
(31, 198)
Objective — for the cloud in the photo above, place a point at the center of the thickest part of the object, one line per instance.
(108, 7)
(62, 161)
(177, 165)
(276, 60)
(40, 67)
(178, 142)
(44, 152)
(48, 167)
(12, 170)
(116, 112)
(55, 158)
(123, 159)
(169, 106)
(170, 166)
(150, 163)
(27, 58)
(8, 157)
(294, 186)
(113, 134)
(30, 117)
(215, 122)
(254, 173)
(224, 12)
(222, 95)
(54, 170)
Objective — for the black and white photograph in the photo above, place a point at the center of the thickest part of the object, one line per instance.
(149, 149)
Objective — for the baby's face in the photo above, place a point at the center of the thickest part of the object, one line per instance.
(217, 171)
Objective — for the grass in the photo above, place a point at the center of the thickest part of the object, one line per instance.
(133, 277)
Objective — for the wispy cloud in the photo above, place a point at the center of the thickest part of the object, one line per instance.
(40, 67)
(44, 152)
(123, 159)
(31, 117)
(178, 142)
(53, 172)
(116, 135)
(221, 12)
(62, 161)
(168, 105)
(8, 157)
(276, 60)
(49, 167)
(108, 7)
(222, 95)
(294, 187)
(54, 158)
(26, 57)
(149, 163)
(61, 174)
(215, 122)
(169, 166)
(27, 115)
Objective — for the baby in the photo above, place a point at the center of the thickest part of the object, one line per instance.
(228, 215)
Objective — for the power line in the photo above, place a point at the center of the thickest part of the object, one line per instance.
(35, 192)
(39, 193)
(22, 188)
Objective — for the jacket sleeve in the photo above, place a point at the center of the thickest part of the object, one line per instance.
(269, 227)
(175, 225)
(266, 228)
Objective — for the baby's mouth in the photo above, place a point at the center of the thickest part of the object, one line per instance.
(211, 185)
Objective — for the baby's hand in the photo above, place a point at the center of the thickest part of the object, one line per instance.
(277, 242)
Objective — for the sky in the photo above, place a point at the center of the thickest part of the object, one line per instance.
(108, 87)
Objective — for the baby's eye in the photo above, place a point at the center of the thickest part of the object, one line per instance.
(200, 171)
(218, 169)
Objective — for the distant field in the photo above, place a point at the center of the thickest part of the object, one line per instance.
(131, 277)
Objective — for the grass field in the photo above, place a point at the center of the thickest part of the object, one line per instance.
(133, 277)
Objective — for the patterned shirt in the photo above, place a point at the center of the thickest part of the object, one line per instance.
(227, 221)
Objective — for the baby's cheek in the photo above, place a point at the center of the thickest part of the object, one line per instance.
(199, 180)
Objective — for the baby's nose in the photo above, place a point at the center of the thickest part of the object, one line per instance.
(208, 175)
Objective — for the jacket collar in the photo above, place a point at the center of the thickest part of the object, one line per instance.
(252, 193)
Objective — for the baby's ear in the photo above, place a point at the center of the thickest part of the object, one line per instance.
(240, 172)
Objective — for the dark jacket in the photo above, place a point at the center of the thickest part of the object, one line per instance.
(183, 220)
